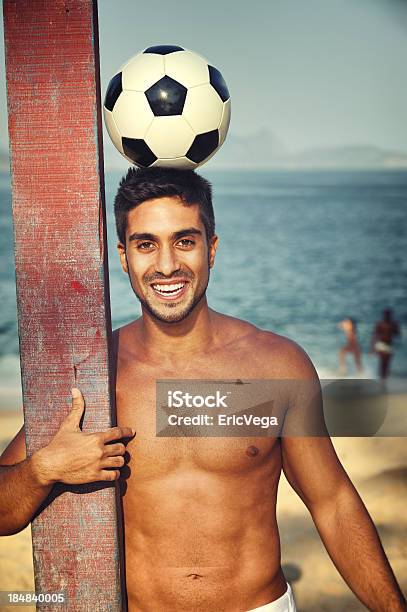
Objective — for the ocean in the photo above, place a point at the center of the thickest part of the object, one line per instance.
(298, 252)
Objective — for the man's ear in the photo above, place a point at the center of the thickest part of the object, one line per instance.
(122, 254)
(213, 245)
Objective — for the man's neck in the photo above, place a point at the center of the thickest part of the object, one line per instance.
(178, 341)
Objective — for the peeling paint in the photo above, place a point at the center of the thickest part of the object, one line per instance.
(61, 277)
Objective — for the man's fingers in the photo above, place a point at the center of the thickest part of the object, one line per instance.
(112, 450)
(117, 433)
(109, 475)
(78, 406)
(114, 462)
(77, 398)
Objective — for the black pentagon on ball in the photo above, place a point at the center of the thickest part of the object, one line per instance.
(203, 146)
(166, 97)
(218, 83)
(114, 89)
(163, 49)
(138, 151)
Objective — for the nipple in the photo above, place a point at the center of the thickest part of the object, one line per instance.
(252, 451)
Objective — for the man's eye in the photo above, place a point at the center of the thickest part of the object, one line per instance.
(144, 246)
(186, 242)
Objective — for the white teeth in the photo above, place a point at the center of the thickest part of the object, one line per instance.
(168, 288)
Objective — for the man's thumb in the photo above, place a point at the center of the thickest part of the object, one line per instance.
(78, 406)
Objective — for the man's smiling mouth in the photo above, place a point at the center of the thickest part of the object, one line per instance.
(169, 290)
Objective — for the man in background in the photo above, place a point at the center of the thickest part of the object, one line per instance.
(382, 340)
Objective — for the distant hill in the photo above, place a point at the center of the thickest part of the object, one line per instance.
(260, 149)
(263, 149)
(352, 157)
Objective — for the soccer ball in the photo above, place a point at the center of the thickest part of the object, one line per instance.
(167, 107)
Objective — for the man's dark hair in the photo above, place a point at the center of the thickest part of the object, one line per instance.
(139, 185)
(387, 314)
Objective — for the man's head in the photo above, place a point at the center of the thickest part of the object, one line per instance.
(167, 242)
(151, 183)
(387, 314)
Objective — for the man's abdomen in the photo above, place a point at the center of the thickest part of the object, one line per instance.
(202, 541)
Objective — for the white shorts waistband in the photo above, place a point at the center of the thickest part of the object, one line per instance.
(285, 603)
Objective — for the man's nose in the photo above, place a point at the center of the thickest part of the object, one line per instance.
(167, 261)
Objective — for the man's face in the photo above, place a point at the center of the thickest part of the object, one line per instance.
(167, 257)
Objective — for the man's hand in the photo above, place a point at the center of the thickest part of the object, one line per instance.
(77, 457)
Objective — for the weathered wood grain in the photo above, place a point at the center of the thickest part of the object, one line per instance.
(61, 273)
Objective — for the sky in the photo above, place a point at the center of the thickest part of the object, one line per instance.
(314, 72)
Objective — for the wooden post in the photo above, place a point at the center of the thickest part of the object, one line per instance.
(52, 66)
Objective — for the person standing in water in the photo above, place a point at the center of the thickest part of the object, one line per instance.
(348, 326)
(382, 340)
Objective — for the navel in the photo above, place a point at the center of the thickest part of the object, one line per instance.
(252, 451)
(194, 576)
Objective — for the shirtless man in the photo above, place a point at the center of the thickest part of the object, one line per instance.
(200, 513)
(382, 340)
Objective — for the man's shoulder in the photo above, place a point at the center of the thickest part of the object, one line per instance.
(288, 357)
(276, 353)
(124, 330)
(125, 336)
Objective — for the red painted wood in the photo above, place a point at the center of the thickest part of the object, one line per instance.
(61, 271)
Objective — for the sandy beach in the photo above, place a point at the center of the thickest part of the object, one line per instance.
(378, 468)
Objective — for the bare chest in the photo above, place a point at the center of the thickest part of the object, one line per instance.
(136, 399)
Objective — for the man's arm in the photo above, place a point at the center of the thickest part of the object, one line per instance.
(396, 329)
(21, 491)
(346, 529)
(71, 457)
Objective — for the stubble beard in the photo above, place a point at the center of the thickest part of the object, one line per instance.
(169, 313)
